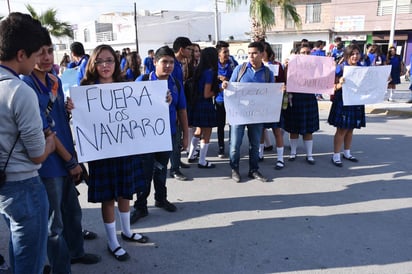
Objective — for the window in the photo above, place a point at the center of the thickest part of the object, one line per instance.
(289, 23)
(313, 13)
(86, 34)
(385, 7)
(277, 48)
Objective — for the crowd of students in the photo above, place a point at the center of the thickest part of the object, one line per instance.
(38, 156)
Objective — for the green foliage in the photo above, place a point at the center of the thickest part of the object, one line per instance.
(49, 20)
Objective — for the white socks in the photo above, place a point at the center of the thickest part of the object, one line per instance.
(336, 157)
(193, 144)
(309, 148)
(293, 146)
(112, 238)
(347, 154)
(202, 154)
(125, 224)
(279, 152)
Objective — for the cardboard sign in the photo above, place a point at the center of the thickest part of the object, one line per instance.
(251, 103)
(364, 85)
(120, 119)
(311, 74)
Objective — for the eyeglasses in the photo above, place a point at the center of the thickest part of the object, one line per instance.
(100, 62)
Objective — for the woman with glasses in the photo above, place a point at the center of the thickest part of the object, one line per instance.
(113, 179)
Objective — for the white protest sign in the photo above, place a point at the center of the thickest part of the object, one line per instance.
(250, 103)
(69, 79)
(364, 85)
(311, 74)
(120, 119)
(274, 68)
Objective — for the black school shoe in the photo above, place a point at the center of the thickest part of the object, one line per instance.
(166, 205)
(87, 258)
(138, 214)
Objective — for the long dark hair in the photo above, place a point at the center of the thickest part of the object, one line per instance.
(91, 75)
(132, 64)
(349, 50)
(208, 60)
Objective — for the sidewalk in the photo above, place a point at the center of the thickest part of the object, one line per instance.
(398, 106)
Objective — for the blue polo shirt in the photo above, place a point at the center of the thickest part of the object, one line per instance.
(54, 165)
(225, 70)
(149, 65)
(251, 75)
(82, 68)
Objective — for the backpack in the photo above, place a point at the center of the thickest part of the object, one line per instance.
(191, 92)
(146, 77)
(243, 70)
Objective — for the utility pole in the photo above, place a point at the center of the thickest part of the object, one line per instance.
(216, 22)
(135, 27)
(392, 33)
(8, 5)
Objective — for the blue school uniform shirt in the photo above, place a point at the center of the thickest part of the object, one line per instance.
(178, 101)
(253, 76)
(82, 68)
(149, 65)
(54, 165)
(225, 70)
(318, 52)
(177, 72)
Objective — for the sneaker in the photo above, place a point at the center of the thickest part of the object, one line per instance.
(138, 214)
(166, 205)
(257, 175)
(87, 258)
(221, 153)
(178, 175)
(235, 175)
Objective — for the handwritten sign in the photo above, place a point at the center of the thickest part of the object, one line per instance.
(311, 74)
(120, 119)
(274, 68)
(364, 85)
(250, 103)
(69, 79)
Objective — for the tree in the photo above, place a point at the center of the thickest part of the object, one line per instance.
(262, 15)
(48, 20)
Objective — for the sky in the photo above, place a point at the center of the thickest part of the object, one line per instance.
(76, 11)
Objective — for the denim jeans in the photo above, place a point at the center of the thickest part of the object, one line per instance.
(156, 165)
(24, 206)
(254, 131)
(65, 239)
(176, 153)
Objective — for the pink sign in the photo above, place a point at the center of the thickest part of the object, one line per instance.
(310, 74)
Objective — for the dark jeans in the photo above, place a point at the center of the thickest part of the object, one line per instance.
(155, 168)
(221, 122)
(176, 152)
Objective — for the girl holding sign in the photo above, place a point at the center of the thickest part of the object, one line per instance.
(345, 118)
(113, 179)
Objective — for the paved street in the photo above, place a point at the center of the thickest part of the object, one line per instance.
(307, 219)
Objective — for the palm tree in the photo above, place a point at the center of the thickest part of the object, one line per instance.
(262, 15)
(48, 20)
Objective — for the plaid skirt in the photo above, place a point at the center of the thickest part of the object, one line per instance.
(341, 116)
(115, 177)
(203, 114)
(303, 116)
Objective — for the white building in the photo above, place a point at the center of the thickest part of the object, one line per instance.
(154, 29)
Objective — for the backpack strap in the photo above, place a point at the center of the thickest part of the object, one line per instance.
(267, 74)
(146, 77)
(241, 71)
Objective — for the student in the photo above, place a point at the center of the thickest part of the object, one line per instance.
(80, 59)
(148, 63)
(255, 71)
(61, 170)
(345, 118)
(164, 63)
(226, 65)
(203, 112)
(302, 118)
(113, 179)
(182, 48)
(23, 197)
